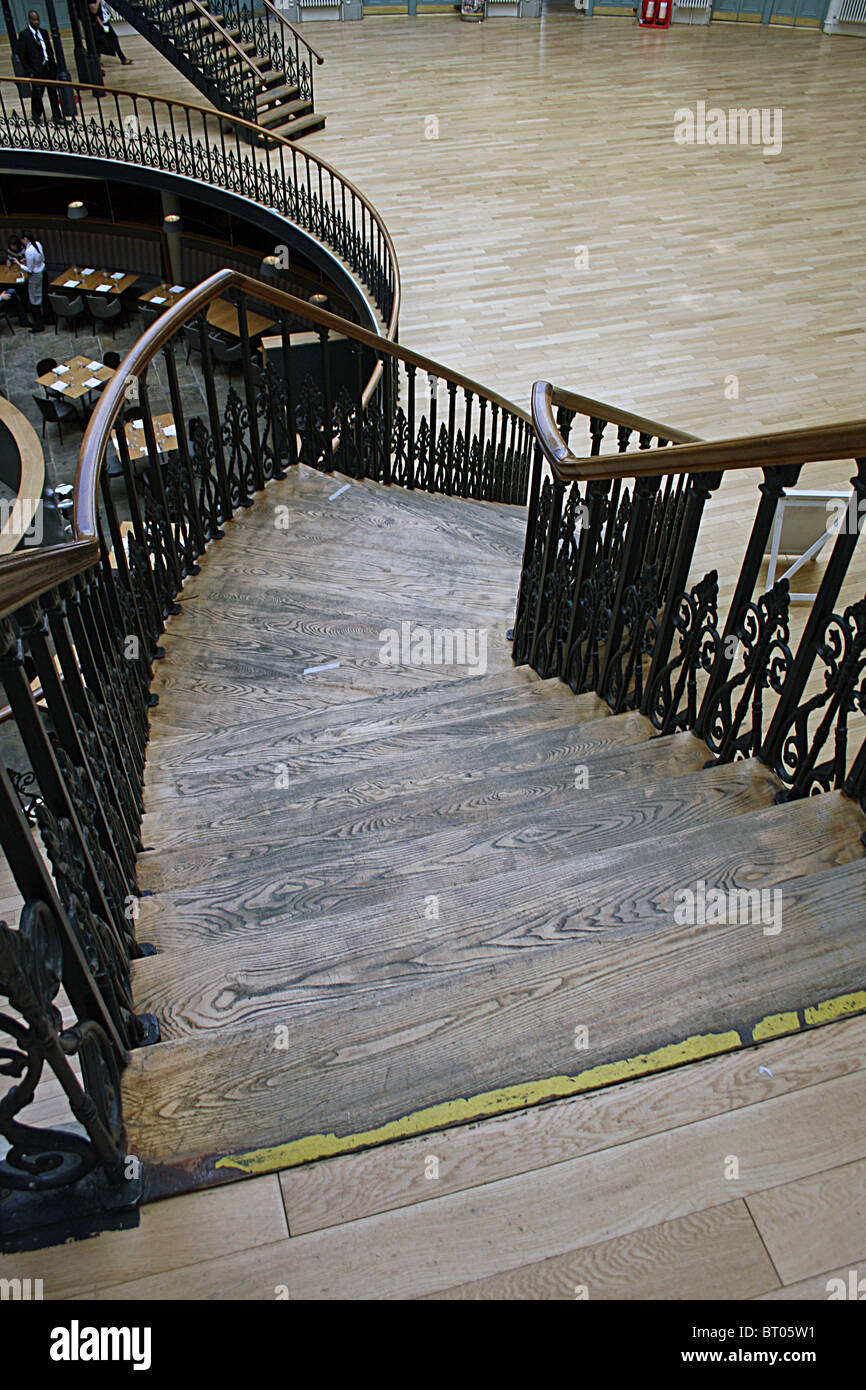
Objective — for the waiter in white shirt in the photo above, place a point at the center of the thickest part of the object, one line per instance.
(34, 263)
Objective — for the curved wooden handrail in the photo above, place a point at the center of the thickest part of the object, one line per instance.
(26, 575)
(229, 40)
(584, 405)
(812, 444)
(259, 131)
(298, 35)
(32, 478)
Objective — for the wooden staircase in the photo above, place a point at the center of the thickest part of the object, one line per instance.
(385, 899)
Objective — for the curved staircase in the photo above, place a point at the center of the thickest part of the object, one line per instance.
(388, 898)
(315, 853)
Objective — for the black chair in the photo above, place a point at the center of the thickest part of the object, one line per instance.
(111, 359)
(191, 338)
(46, 364)
(229, 354)
(150, 312)
(66, 310)
(57, 413)
(104, 310)
(5, 306)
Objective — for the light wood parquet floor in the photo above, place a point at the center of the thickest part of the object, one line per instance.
(702, 263)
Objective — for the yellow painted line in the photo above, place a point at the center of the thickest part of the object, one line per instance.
(462, 1111)
(775, 1026)
(700, 1047)
(836, 1008)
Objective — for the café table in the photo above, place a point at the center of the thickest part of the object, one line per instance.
(164, 431)
(162, 296)
(76, 378)
(88, 280)
(11, 275)
(224, 316)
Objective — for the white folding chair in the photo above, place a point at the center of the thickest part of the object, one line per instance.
(803, 524)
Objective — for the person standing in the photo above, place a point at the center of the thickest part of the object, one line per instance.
(38, 62)
(34, 264)
(106, 40)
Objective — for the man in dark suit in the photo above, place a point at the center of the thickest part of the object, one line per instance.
(37, 59)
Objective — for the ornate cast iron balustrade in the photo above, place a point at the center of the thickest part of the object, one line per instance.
(228, 49)
(605, 602)
(152, 133)
(80, 628)
(182, 33)
(261, 24)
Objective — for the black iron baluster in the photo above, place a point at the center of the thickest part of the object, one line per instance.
(771, 489)
(249, 389)
(290, 414)
(646, 490)
(822, 609)
(215, 420)
(554, 517)
(34, 882)
(188, 477)
(431, 443)
(700, 486)
(410, 443)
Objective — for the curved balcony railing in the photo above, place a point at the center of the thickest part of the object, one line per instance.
(213, 148)
(80, 626)
(605, 602)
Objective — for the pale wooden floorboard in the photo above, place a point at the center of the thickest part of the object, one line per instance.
(715, 1254)
(517, 1221)
(353, 1186)
(818, 1287)
(816, 1222)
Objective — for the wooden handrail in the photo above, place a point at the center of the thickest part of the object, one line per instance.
(282, 18)
(813, 444)
(24, 576)
(31, 480)
(229, 40)
(583, 405)
(273, 137)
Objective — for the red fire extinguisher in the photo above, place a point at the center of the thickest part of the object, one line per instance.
(663, 14)
(648, 13)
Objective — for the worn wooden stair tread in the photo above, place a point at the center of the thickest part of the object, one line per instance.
(464, 840)
(485, 797)
(326, 721)
(495, 804)
(454, 849)
(483, 915)
(419, 760)
(456, 716)
(314, 120)
(428, 1043)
